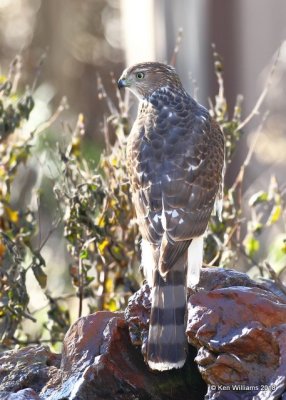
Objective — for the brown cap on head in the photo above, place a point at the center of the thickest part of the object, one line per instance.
(144, 78)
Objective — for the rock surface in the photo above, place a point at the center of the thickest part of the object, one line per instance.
(237, 333)
(239, 328)
(24, 394)
(100, 362)
(29, 367)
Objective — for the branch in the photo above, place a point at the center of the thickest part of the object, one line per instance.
(275, 277)
(249, 155)
(46, 124)
(261, 98)
(177, 47)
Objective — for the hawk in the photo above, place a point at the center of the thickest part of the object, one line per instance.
(175, 159)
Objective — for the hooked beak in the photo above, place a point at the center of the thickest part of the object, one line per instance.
(121, 83)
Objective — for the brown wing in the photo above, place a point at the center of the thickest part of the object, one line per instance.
(189, 192)
(176, 158)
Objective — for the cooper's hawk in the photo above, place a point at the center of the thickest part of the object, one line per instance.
(175, 155)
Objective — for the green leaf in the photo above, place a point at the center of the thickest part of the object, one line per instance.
(257, 198)
(275, 214)
(89, 279)
(283, 247)
(84, 254)
(257, 227)
(111, 305)
(251, 245)
(40, 276)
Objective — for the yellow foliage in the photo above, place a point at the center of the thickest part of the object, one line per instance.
(101, 246)
(2, 249)
(275, 214)
(114, 162)
(109, 285)
(111, 305)
(2, 172)
(12, 214)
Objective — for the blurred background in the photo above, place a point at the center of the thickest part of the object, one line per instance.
(90, 41)
(91, 37)
(86, 39)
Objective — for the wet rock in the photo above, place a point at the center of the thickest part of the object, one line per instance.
(25, 394)
(137, 315)
(28, 367)
(236, 328)
(215, 278)
(239, 329)
(99, 361)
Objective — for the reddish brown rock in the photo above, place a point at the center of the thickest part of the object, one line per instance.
(237, 325)
(100, 362)
(137, 315)
(239, 329)
(28, 367)
(25, 394)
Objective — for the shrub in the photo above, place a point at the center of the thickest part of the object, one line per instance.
(96, 213)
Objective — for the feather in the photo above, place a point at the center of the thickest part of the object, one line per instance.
(195, 261)
(167, 342)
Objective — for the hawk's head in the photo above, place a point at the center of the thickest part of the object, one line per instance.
(144, 78)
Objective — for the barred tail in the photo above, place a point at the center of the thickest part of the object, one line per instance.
(167, 343)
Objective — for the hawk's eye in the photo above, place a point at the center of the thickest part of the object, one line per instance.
(140, 75)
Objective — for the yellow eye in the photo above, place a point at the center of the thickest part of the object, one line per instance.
(140, 75)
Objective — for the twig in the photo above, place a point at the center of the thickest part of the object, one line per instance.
(62, 297)
(63, 106)
(220, 108)
(211, 263)
(106, 135)
(219, 74)
(103, 95)
(80, 288)
(51, 231)
(249, 155)
(177, 47)
(275, 277)
(15, 70)
(39, 222)
(254, 141)
(281, 271)
(101, 300)
(261, 98)
(222, 246)
(122, 105)
(39, 341)
(28, 316)
(194, 86)
(39, 70)
(23, 313)
(254, 263)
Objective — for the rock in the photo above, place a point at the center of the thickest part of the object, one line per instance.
(99, 361)
(239, 329)
(25, 394)
(137, 316)
(28, 367)
(237, 333)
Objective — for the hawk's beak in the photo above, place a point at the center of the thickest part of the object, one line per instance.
(121, 83)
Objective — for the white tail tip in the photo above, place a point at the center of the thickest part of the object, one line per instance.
(161, 366)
